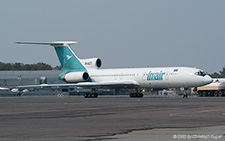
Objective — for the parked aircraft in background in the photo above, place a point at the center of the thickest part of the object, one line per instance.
(85, 73)
(4, 89)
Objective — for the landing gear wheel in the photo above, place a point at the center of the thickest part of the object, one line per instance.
(94, 95)
(200, 94)
(220, 93)
(136, 95)
(216, 94)
(131, 95)
(19, 94)
(204, 94)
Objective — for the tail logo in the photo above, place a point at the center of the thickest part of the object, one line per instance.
(68, 57)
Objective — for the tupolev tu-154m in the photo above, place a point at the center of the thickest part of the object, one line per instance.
(86, 73)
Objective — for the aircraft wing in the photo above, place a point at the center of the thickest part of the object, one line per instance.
(87, 85)
(108, 85)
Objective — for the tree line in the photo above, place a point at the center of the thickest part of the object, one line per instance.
(220, 74)
(26, 67)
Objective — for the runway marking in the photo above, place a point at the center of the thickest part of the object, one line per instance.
(203, 111)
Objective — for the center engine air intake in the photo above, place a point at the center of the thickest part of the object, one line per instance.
(92, 63)
(76, 77)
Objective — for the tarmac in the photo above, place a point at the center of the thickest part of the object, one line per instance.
(69, 118)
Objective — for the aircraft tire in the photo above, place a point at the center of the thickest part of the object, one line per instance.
(200, 94)
(216, 94)
(94, 95)
(204, 94)
(220, 93)
(136, 95)
(141, 95)
(132, 95)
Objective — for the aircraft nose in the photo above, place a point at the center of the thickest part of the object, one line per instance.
(208, 79)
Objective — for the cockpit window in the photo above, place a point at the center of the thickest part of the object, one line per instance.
(200, 73)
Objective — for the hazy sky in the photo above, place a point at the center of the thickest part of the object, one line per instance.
(123, 33)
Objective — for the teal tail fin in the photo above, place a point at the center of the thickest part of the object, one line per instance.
(68, 59)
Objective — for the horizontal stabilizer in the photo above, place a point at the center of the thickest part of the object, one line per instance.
(57, 43)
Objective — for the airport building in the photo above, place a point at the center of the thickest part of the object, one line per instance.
(16, 78)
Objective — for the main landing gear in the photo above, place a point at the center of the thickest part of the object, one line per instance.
(138, 94)
(92, 94)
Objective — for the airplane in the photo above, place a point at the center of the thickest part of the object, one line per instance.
(86, 73)
(4, 89)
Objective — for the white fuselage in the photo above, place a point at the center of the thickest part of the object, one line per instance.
(165, 77)
(85, 72)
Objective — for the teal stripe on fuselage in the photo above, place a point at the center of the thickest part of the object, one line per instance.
(69, 61)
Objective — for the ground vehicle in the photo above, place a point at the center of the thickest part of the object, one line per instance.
(216, 88)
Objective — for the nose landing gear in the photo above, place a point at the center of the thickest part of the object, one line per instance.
(185, 95)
